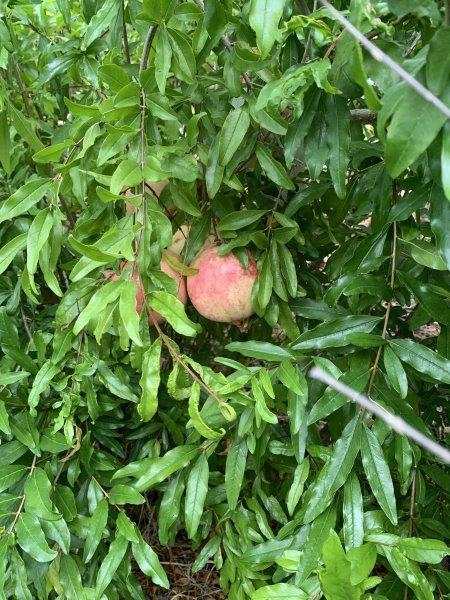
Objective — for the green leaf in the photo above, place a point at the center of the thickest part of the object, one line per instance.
(106, 294)
(110, 565)
(279, 591)
(52, 153)
(425, 254)
(264, 18)
(296, 490)
(24, 198)
(11, 474)
(362, 560)
(70, 578)
(196, 490)
(126, 527)
(352, 512)
(127, 174)
(261, 409)
(125, 494)
(163, 58)
(169, 509)
(438, 61)
(410, 573)
(422, 359)
(149, 564)
(9, 250)
(395, 372)
(25, 128)
(97, 526)
(378, 474)
(208, 550)
(427, 299)
(173, 311)
(149, 382)
(335, 579)
(337, 118)
(260, 350)
(128, 312)
(425, 551)
(183, 55)
(91, 251)
(334, 334)
(312, 548)
(30, 538)
(20, 576)
(37, 236)
(41, 383)
(232, 133)
(101, 20)
(334, 473)
(239, 219)
(234, 471)
(440, 216)
(196, 419)
(357, 378)
(273, 169)
(413, 127)
(156, 470)
(37, 496)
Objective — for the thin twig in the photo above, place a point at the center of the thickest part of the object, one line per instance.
(383, 58)
(388, 310)
(411, 518)
(25, 324)
(147, 47)
(22, 502)
(23, 92)
(66, 211)
(396, 423)
(126, 46)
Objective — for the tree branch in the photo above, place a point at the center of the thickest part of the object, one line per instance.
(363, 115)
(126, 46)
(147, 47)
(383, 58)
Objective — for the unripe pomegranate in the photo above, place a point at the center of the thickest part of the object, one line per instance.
(221, 289)
(165, 268)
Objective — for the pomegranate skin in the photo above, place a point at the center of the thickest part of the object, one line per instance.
(154, 316)
(221, 290)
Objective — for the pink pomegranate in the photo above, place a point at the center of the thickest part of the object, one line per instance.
(165, 268)
(221, 290)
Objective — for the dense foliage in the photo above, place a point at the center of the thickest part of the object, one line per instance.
(277, 135)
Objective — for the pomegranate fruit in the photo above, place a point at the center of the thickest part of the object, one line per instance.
(165, 268)
(221, 290)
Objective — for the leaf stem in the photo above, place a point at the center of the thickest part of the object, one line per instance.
(22, 502)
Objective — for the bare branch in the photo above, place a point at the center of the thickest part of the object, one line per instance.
(363, 115)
